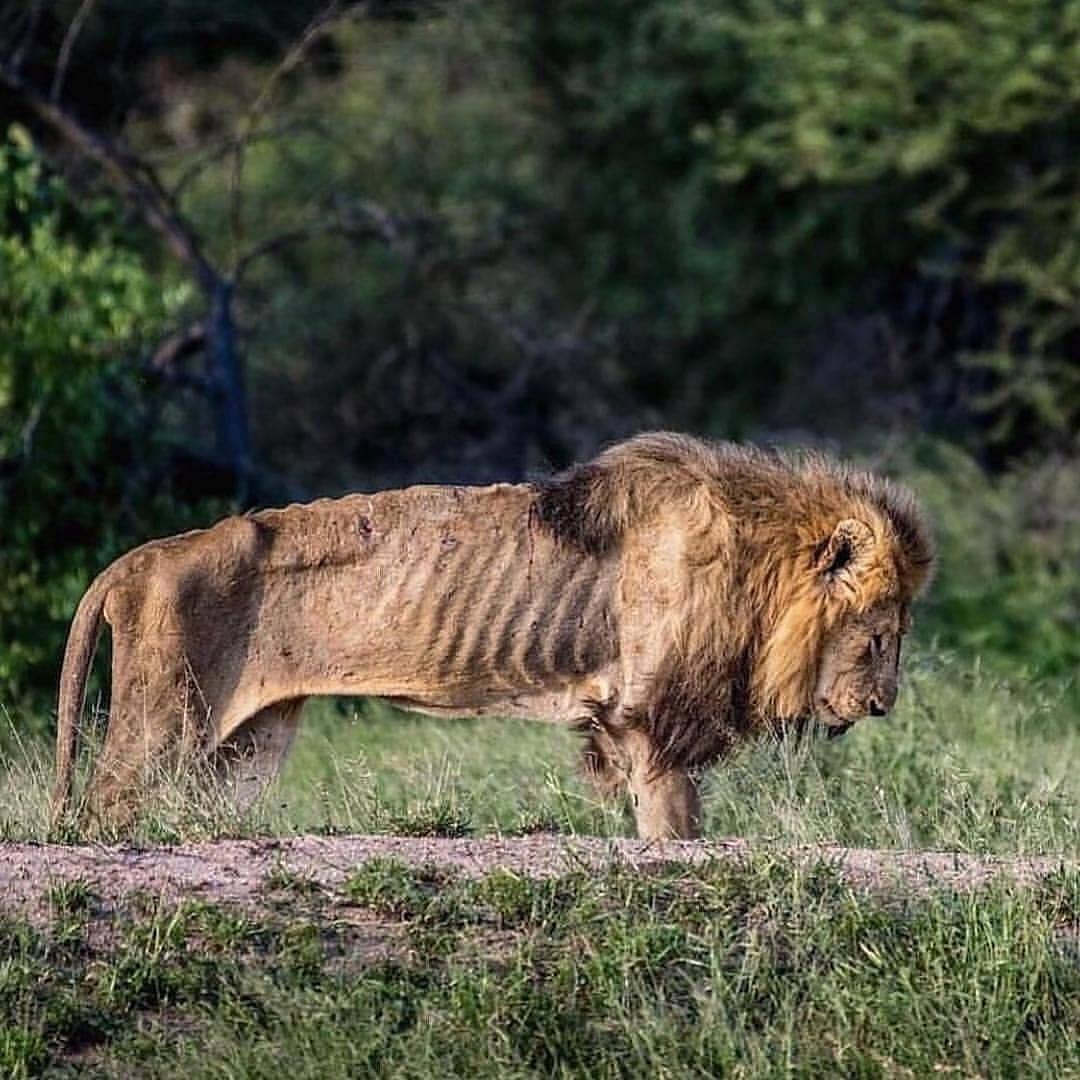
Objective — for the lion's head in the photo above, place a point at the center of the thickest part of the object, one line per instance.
(869, 570)
(800, 567)
(844, 606)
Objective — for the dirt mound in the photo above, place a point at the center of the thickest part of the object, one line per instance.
(238, 871)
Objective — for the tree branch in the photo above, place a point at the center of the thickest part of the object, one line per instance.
(66, 48)
(280, 241)
(170, 353)
(137, 183)
(213, 152)
(359, 219)
(319, 26)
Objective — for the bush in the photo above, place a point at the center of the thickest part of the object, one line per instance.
(78, 478)
(1008, 583)
(744, 179)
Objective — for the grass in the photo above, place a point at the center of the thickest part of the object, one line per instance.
(764, 969)
(970, 761)
(771, 968)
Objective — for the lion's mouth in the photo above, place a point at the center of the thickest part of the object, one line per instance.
(835, 725)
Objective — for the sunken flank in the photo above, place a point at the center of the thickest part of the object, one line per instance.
(668, 598)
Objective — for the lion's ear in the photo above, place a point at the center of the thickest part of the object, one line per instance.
(841, 558)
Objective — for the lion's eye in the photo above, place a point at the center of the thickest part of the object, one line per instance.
(876, 644)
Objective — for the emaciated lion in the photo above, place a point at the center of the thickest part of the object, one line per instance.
(668, 599)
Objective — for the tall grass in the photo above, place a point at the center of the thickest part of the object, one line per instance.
(969, 760)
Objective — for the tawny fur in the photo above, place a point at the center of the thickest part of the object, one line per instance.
(668, 598)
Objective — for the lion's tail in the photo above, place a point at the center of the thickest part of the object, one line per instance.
(78, 656)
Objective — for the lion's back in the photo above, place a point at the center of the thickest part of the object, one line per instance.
(449, 593)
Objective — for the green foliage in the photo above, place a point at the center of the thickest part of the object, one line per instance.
(814, 215)
(76, 463)
(1008, 584)
(765, 968)
(743, 175)
(739, 217)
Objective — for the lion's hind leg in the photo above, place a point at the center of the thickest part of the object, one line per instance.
(251, 757)
(152, 725)
(122, 775)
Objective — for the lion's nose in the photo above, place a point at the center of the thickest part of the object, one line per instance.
(876, 708)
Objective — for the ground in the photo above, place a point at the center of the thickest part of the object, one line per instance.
(534, 956)
(420, 898)
(237, 871)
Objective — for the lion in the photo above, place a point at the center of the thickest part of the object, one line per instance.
(668, 599)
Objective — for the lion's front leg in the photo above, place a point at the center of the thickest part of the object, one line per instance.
(666, 803)
(667, 807)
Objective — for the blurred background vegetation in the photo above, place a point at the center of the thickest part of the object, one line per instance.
(253, 250)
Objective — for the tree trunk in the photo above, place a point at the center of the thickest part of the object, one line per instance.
(226, 377)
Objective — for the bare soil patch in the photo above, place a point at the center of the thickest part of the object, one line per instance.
(245, 871)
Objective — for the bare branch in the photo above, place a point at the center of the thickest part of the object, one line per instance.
(176, 348)
(366, 218)
(282, 240)
(318, 28)
(29, 428)
(68, 45)
(215, 151)
(14, 463)
(322, 24)
(139, 186)
(360, 219)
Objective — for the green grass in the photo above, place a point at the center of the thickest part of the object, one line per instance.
(765, 969)
(969, 761)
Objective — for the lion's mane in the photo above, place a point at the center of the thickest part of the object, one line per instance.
(752, 616)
